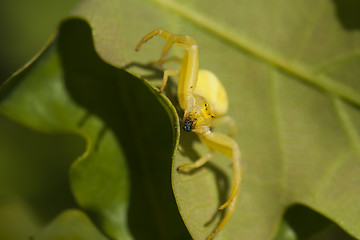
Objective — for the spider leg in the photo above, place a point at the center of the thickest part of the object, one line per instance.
(227, 146)
(230, 210)
(167, 74)
(226, 120)
(198, 163)
(188, 74)
(178, 39)
(157, 32)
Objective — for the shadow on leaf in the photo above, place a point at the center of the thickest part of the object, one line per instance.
(348, 13)
(131, 111)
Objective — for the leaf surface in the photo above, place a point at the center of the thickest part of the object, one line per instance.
(71, 224)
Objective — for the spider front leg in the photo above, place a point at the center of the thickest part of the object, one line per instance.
(188, 73)
(158, 32)
(178, 39)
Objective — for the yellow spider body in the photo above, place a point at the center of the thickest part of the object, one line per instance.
(204, 101)
(209, 87)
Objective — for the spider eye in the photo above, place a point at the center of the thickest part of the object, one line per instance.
(189, 124)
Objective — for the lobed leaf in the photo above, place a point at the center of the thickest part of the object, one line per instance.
(291, 72)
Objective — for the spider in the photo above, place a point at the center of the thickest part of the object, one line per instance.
(204, 101)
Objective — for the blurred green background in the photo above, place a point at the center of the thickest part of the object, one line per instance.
(37, 185)
(25, 27)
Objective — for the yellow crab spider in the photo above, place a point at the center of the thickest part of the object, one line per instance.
(204, 101)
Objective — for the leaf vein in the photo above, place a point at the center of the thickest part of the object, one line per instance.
(348, 126)
(296, 69)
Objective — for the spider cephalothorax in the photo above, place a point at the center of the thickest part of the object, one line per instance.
(200, 117)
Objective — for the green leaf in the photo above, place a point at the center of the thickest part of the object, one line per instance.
(306, 224)
(25, 27)
(72, 224)
(291, 71)
(70, 89)
(34, 183)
